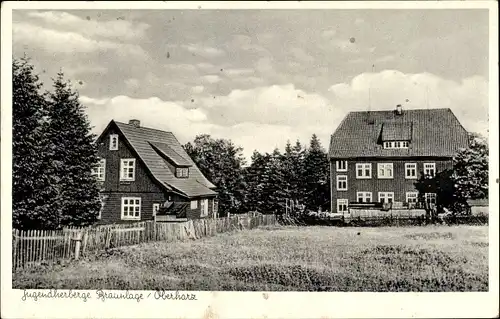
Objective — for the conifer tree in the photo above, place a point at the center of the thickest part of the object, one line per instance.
(32, 188)
(73, 154)
(254, 181)
(275, 186)
(316, 175)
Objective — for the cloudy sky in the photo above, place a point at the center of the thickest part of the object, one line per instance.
(261, 77)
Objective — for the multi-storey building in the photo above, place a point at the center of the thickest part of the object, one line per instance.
(378, 156)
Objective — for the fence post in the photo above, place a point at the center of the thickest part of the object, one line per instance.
(78, 243)
(85, 238)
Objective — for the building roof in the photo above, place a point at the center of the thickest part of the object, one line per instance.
(142, 139)
(431, 132)
(171, 154)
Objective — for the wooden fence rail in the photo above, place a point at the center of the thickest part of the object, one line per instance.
(33, 247)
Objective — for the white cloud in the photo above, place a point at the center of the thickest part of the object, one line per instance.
(91, 27)
(197, 89)
(301, 55)
(329, 33)
(238, 72)
(211, 78)
(203, 51)
(205, 66)
(53, 41)
(467, 99)
(181, 67)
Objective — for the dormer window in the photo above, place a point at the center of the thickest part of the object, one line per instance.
(396, 144)
(182, 172)
(113, 142)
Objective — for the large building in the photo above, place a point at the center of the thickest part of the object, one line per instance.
(378, 156)
(146, 174)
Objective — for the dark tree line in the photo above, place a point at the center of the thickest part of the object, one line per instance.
(299, 174)
(53, 154)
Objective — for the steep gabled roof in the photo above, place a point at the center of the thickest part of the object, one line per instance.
(432, 132)
(142, 139)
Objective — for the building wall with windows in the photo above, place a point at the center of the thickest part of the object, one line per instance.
(120, 187)
(362, 179)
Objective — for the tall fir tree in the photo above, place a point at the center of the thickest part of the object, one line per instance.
(74, 155)
(275, 188)
(316, 176)
(253, 177)
(32, 189)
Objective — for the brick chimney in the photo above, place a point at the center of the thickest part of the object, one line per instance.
(135, 123)
(399, 109)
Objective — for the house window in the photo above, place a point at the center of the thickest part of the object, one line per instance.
(204, 207)
(341, 182)
(429, 169)
(156, 208)
(182, 172)
(342, 205)
(363, 170)
(411, 197)
(113, 142)
(364, 197)
(194, 204)
(127, 169)
(385, 197)
(131, 208)
(100, 171)
(341, 166)
(396, 144)
(385, 170)
(410, 170)
(431, 198)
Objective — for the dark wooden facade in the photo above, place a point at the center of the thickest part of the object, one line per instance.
(399, 184)
(144, 186)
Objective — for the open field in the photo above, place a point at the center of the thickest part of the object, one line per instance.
(433, 258)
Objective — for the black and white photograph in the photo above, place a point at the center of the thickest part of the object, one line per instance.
(171, 153)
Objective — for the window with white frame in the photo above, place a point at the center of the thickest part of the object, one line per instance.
(363, 170)
(127, 169)
(430, 169)
(204, 207)
(341, 182)
(156, 208)
(396, 144)
(410, 170)
(385, 170)
(364, 197)
(100, 171)
(194, 204)
(385, 197)
(341, 166)
(113, 142)
(411, 197)
(131, 208)
(182, 172)
(342, 205)
(430, 198)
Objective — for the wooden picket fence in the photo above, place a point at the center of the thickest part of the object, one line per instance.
(34, 247)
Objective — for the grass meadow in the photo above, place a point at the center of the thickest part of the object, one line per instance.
(319, 258)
